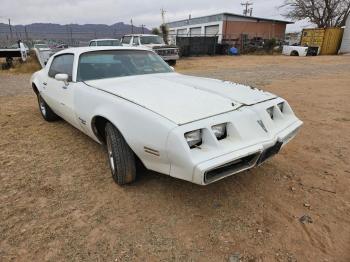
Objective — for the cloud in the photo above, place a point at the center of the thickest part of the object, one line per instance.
(110, 11)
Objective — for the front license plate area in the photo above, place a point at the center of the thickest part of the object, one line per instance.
(269, 152)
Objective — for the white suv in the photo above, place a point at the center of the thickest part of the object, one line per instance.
(169, 53)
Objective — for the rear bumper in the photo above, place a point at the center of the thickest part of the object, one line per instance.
(243, 159)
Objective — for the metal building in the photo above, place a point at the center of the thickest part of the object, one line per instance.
(345, 45)
(229, 27)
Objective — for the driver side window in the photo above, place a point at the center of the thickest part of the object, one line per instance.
(62, 64)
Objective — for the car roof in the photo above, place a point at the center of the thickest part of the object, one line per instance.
(103, 39)
(140, 35)
(86, 49)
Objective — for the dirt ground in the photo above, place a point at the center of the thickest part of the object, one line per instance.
(58, 201)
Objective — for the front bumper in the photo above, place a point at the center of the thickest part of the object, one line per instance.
(253, 137)
(243, 159)
(170, 57)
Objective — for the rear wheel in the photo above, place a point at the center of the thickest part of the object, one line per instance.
(121, 157)
(294, 53)
(46, 111)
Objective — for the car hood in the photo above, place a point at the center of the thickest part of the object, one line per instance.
(181, 98)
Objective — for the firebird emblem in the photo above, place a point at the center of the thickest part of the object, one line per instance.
(262, 125)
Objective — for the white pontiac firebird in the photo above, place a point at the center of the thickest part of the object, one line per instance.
(196, 129)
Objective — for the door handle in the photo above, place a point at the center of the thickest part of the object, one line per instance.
(44, 83)
(64, 87)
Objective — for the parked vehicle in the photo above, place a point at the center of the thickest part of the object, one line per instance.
(169, 53)
(18, 50)
(105, 42)
(61, 46)
(295, 50)
(42, 47)
(193, 128)
(43, 52)
(16, 46)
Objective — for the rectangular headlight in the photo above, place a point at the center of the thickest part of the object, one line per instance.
(194, 138)
(270, 111)
(220, 131)
(280, 106)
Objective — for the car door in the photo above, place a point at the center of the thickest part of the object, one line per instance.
(60, 93)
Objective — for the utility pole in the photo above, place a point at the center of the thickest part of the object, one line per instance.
(143, 28)
(10, 29)
(26, 33)
(67, 33)
(162, 12)
(246, 9)
(71, 35)
(132, 26)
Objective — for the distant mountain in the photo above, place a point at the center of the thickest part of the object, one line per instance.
(71, 33)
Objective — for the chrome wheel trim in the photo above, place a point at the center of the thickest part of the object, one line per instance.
(110, 154)
(42, 106)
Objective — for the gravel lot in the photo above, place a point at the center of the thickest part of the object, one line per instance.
(58, 201)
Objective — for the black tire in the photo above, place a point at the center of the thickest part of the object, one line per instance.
(46, 111)
(172, 62)
(121, 157)
(294, 53)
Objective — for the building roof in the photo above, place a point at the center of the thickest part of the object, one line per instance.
(221, 17)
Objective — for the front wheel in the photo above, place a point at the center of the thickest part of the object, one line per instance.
(121, 157)
(46, 111)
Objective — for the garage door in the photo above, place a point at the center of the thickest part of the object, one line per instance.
(212, 30)
(195, 31)
(182, 32)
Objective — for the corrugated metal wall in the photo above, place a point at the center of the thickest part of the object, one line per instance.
(345, 45)
(327, 39)
(331, 41)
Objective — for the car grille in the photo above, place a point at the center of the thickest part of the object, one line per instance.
(269, 152)
(231, 168)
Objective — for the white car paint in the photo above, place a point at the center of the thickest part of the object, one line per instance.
(155, 111)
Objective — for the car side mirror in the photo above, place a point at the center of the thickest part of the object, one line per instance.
(62, 77)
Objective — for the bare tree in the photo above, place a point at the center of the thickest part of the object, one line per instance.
(323, 13)
(165, 32)
(156, 31)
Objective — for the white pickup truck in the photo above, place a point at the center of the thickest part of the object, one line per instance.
(169, 53)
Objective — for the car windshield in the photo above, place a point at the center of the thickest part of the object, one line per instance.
(118, 63)
(151, 39)
(108, 43)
